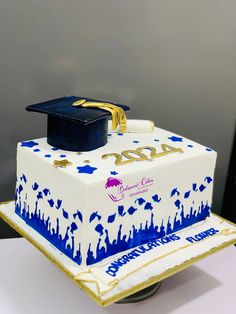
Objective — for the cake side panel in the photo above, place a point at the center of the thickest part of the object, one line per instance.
(129, 210)
(52, 202)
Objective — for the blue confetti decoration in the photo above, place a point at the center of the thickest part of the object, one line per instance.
(62, 156)
(20, 188)
(175, 139)
(202, 187)
(156, 198)
(121, 211)
(36, 150)
(35, 186)
(93, 216)
(40, 195)
(111, 218)
(86, 169)
(47, 156)
(23, 178)
(59, 202)
(148, 206)
(46, 192)
(79, 215)
(140, 201)
(65, 214)
(114, 173)
(99, 228)
(177, 204)
(29, 144)
(208, 180)
(174, 191)
(187, 194)
(51, 202)
(131, 210)
(189, 145)
(73, 227)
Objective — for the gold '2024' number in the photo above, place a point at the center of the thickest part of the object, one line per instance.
(133, 155)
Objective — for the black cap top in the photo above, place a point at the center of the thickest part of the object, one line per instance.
(75, 128)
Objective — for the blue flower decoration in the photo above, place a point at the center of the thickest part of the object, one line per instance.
(62, 156)
(86, 169)
(175, 139)
(54, 148)
(47, 156)
(36, 150)
(113, 173)
(29, 144)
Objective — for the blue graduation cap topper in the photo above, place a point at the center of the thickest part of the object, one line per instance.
(78, 123)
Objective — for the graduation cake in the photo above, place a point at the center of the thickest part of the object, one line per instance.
(93, 192)
(117, 204)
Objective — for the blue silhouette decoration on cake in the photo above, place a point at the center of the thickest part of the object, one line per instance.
(145, 233)
(108, 245)
(43, 225)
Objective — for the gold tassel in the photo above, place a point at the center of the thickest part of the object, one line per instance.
(118, 114)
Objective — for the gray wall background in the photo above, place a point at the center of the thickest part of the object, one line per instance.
(172, 61)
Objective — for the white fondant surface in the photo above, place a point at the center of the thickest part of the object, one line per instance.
(118, 143)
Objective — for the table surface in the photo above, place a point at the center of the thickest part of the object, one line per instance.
(31, 284)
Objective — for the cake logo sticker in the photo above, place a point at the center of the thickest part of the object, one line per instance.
(116, 189)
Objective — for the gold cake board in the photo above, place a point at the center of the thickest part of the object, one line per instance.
(153, 267)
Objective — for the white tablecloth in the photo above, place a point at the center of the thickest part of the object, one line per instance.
(31, 284)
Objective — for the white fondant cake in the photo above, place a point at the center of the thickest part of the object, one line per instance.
(137, 188)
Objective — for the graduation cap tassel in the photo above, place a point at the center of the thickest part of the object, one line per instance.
(118, 114)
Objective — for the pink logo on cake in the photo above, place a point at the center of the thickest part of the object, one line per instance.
(114, 189)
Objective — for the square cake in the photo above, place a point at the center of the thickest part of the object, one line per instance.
(137, 188)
